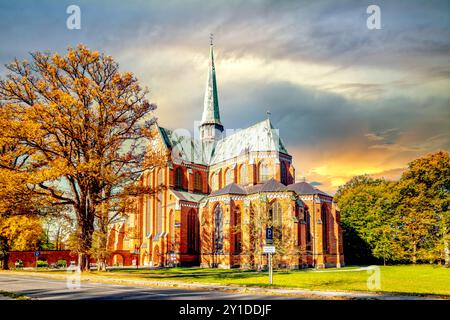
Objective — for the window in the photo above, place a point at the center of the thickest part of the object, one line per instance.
(148, 214)
(324, 228)
(159, 213)
(149, 180)
(229, 177)
(283, 173)
(172, 229)
(276, 219)
(218, 229)
(159, 200)
(214, 181)
(243, 175)
(198, 181)
(265, 172)
(179, 177)
(237, 232)
(308, 231)
(192, 231)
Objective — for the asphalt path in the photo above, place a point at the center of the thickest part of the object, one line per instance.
(53, 289)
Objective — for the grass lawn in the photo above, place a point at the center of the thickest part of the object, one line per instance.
(419, 279)
(13, 295)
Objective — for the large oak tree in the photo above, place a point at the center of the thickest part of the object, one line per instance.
(83, 126)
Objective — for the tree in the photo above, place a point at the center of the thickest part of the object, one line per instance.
(58, 224)
(21, 232)
(20, 207)
(425, 204)
(368, 214)
(407, 220)
(84, 126)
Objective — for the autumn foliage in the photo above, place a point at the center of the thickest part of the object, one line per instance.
(80, 128)
(404, 221)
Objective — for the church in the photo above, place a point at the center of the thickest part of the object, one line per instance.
(216, 195)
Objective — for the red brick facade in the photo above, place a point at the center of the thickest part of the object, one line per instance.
(120, 257)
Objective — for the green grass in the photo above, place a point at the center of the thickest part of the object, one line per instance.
(16, 296)
(405, 279)
(419, 279)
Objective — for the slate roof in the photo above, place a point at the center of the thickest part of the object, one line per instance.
(270, 186)
(188, 196)
(259, 137)
(183, 146)
(305, 188)
(232, 188)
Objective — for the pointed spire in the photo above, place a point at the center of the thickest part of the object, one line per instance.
(211, 113)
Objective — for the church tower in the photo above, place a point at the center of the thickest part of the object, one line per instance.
(211, 128)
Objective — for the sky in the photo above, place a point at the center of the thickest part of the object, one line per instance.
(346, 100)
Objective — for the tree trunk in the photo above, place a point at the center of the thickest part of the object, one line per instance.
(102, 253)
(414, 255)
(447, 254)
(5, 249)
(83, 261)
(5, 260)
(86, 225)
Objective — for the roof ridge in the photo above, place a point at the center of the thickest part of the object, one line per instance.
(243, 129)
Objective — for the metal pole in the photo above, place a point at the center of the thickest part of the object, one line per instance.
(270, 269)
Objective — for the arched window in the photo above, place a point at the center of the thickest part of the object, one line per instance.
(324, 228)
(237, 232)
(149, 205)
(218, 229)
(198, 181)
(159, 202)
(214, 181)
(159, 177)
(308, 230)
(179, 177)
(276, 219)
(243, 175)
(283, 173)
(265, 172)
(192, 231)
(229, 177)
(172, 229)
(148, 214)
(149, 179)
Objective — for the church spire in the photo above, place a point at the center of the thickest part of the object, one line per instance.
(211, 113)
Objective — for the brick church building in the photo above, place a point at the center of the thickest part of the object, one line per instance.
(220, 192)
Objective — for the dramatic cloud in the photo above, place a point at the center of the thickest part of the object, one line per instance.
(347, 100)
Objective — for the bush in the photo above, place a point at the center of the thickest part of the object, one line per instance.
(61, 263)
(42, 264)
(18, 264)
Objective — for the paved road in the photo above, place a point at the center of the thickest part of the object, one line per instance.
(51, 289)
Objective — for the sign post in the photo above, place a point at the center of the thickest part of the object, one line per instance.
(270, 269)
(37, 254)
(269, 248)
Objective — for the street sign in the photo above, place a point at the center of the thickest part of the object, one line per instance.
(269, 235)
(37, 253)
(269, 249)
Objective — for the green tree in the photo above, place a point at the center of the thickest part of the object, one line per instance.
(367, 215)
(424, 191)
(407, 220)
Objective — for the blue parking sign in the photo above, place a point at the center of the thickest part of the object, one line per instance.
(269, 234)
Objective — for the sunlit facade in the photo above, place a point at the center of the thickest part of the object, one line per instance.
(218, 193)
